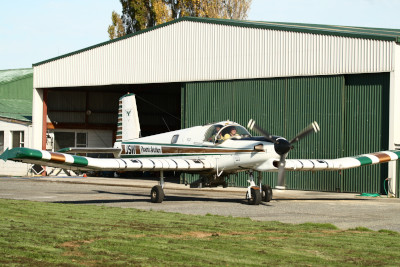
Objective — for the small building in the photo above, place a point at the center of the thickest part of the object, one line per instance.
(15, 116)
(192, 71)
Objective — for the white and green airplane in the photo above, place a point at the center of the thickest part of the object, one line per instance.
(215, 151)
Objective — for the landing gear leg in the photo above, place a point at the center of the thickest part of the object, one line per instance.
(259, 180)
(157, 192)
(253, 194)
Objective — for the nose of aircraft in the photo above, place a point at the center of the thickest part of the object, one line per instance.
(282, 146)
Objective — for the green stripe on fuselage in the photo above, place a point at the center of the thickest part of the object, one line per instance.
(364, 160)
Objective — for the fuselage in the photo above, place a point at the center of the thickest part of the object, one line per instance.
(213, 143)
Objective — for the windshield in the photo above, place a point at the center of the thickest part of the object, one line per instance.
(218, 133)
(231, 131)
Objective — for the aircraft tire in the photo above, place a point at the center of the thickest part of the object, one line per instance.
(266, 194)
(255, 198)
(157, 194)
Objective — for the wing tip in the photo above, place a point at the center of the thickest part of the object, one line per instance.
(5, 155)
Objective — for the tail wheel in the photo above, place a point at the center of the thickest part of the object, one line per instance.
(266, 194)
(157, 194)
(255, 198)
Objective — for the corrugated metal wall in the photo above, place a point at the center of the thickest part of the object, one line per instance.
(366, 128)
(351, 110)
(193, 51)
(319, 99)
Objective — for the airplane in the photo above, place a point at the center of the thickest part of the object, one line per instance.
(214, 151)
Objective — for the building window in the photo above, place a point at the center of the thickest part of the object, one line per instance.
(69, 139)
(81, 139)
(63, 140)
(1, 141)
(18, 139)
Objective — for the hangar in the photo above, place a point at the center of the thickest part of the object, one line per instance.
(191, 71)
(15, 116)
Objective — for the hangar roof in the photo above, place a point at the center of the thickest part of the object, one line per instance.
(8, 76)
(333, 30)
(202, 49)
(17, 109)
(16, 94)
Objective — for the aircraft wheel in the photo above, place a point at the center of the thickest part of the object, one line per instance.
(266, 194)
(157, 194)
(255, 198)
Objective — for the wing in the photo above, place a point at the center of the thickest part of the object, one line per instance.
(340, 163)
(106, 150)
(72, 162)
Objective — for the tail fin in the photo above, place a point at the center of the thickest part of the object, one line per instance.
(128, 119)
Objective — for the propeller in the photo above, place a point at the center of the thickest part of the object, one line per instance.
(282, 146)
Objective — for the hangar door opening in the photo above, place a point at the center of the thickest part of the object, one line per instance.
(352, 111)
(87, 116)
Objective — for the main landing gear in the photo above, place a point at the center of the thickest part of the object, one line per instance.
(157, 192)
(257, 193)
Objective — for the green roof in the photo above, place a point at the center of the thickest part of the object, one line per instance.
(334, 30)
(16, 109)
(7, 76)
(16, 94)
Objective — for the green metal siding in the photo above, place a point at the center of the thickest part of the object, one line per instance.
(237, 101)
(351, 110)
(319, 99)
(366, 128)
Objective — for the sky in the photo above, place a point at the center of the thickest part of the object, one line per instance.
(34, 31)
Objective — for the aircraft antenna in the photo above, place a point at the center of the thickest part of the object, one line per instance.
(160, 109)
(165, 123)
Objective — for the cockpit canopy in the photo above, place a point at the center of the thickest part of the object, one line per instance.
(219, 133)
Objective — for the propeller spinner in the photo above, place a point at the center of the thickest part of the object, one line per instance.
(282, 146)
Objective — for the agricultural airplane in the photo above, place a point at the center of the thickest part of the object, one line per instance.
(215, 151)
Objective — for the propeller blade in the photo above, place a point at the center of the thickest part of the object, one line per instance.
(281, 173)
(313, 127)
(252, 125)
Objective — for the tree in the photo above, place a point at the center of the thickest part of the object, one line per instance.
(116, 29)
(141, 14)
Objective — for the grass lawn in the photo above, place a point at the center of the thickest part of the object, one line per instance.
(47, 234)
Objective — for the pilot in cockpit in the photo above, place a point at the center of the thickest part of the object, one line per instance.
(214, 134)
(232, 132)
